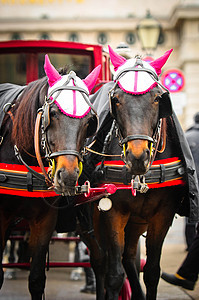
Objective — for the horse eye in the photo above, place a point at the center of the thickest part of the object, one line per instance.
(157, 99)
(54, 114)
(116, 100)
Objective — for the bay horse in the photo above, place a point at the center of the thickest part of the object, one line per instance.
(139, 149)
(51, 117)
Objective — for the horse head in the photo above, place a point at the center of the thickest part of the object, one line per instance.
(67, 118)
(138, 103)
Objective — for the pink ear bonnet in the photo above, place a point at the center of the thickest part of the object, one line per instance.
(70, 102)
(136, 82)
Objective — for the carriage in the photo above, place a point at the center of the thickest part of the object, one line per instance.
(150, 146)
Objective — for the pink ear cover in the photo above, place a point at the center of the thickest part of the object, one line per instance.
(52, 74)
(116, 59)
(91, 79)
(160, 62)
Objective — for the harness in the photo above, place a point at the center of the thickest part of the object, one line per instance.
(17, 180)
(36, 180)
(162, 173)
(167, 172)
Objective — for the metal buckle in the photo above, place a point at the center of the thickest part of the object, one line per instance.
(138, 184)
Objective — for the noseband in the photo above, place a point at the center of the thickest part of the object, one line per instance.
(137, 137)
(43, 122)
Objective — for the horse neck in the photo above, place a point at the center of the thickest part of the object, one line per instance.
(7, 153)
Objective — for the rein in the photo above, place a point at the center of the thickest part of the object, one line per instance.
(37, 149)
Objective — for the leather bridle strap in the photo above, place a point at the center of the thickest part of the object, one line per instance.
(37, 148)
(36, 174)
(51, 155)
(64, 152)
(137, 137)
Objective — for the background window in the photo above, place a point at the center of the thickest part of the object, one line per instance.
(73, 37)
(16, 36)
(130, 38)
(44, 36)
(102, 38)
(161, 38)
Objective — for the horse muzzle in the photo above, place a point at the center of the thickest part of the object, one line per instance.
(66, 175)
(137, 156)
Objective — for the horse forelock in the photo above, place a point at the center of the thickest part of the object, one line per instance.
(25, 112)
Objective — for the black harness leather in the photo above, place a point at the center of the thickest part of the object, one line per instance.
(156, 174)
(21, 181)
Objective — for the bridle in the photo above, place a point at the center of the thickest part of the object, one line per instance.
(43, 122)
(155, 139)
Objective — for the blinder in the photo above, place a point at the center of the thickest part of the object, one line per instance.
(112, 105)
(165, 106)
(46, 116)
(93, 124)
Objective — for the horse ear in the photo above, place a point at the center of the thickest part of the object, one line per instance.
(160, 62)
(52, 74)
(116, 59)
(91, 79)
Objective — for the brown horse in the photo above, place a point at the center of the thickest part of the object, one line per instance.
(56, 110)
(141, 120)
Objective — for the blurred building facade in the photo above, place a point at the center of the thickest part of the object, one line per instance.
(110, 23)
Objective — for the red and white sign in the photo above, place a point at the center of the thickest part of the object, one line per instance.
(173, 80)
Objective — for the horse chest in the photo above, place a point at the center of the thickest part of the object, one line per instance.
(144, 206)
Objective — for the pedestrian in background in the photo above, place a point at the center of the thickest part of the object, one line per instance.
(187, 274)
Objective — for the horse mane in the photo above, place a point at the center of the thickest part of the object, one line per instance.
(63, 71)
(25, 112)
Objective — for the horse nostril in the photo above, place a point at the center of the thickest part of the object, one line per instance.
(67, 178)
(133, 160)
(147, 151)
(59, 176)
(77, 171)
